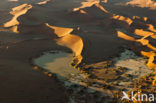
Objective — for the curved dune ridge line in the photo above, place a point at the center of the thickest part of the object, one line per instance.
(88, 14)
(60, 31)
(43, 2)
(87, 3)
(95, 8)
(143, 33)
(122, 18)
(144, 42)
(143, 3)
(151, 28)
(71, 41)
(16, 12)
(150, 55)
(97, 5)
(141, 18)
(125, 36)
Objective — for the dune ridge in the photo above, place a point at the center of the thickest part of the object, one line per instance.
(43, 2)
(146, 34)
(87, 3)
(143, 3)
(86, 11)
(65, 38)
(16, 12)
(60, 31)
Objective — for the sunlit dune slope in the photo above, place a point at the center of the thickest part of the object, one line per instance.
(143, 3)
(16, 12)
(60, 32)
(87, 3)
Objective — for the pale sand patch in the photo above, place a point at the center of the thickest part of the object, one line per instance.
(59, 63)
(136, 65)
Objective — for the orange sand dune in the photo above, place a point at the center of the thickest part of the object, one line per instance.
(16, 12)
(96, 10)
(43, 2)
(89, 14)
(143, 41)
(71, 41)
(144, 33)
(122, 18)
(151, 28)
(151, 56)
(87, 3)
(125, 36)
(140, 18)
(81, 15)
(97, 38)
(60, 31)
(143, 3)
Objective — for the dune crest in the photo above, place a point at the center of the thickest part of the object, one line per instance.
(125, 36)
(143, 3)
(88, 3)
(151, 56)
(65, 38)
(60, 31)
(122, 18)
(16, 12)
(73, 42)
(140, 18)
(43, 2)
(144, 40)
(90, 14)
(151, 28)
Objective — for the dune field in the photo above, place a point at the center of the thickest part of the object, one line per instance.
(77, 51)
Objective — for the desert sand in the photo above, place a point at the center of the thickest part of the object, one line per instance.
(110, 44)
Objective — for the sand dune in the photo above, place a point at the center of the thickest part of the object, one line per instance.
(94, 15)
(60, 31)
(143, 3)
(104, 29)
(96, 10)
(81, 16)
(122, 18)
(87, 3)
(71, 41)
(43, 2)
(144, 40)
(90, 10)
(16, 12)
(125, 36)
